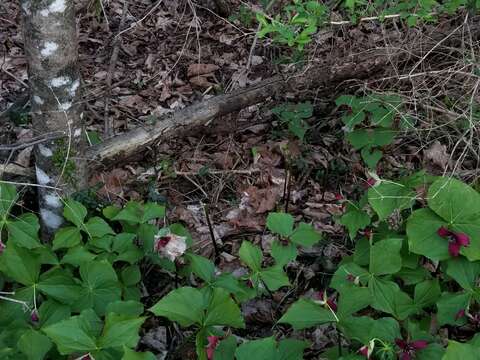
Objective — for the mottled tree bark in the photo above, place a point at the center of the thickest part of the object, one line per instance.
(51, 49)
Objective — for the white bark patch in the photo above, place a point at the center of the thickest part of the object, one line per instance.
(42, 177)
(73, 89)
(50, 219)
(38, 100)
(53, 200)
(26, 7)
(45, 151)
(60, 81)
(49, 49)
(65, 106)
(77, 132)
(57, 6)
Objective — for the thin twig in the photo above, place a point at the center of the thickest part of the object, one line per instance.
(14, 77)
(212, 234)
(29, 184)
(218, 172)
(34, 141)
(136, 23)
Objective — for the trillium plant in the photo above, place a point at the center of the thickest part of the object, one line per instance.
(409, 289)
(413, 276)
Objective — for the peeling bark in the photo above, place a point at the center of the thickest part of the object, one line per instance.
(51, 50)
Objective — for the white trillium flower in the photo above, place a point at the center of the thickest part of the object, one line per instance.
(170, 245)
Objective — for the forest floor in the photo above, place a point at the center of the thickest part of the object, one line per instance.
(246, 164)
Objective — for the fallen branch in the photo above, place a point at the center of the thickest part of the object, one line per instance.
(128, 144)
(326, 76)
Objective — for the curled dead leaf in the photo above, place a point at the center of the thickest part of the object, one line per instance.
(437, 154)
(201, 69)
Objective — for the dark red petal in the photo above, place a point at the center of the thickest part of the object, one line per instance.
(454, 248)
(405, 356)
(350, 278)
(34, 316)
(443, 232)
(462, 239)
(460, 313)
(319, 295)
(338, 197)
(364, 351)
(402, 344)
(332, 304)
(419, 344)
(371, 182)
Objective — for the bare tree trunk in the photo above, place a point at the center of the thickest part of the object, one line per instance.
(50, 40)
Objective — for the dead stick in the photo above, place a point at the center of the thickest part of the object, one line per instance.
(212, 234)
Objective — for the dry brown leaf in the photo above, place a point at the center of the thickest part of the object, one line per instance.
(201, 81)
(113, 181)
(23, 157)
(201, 69)
(437, 154)
(132, 100)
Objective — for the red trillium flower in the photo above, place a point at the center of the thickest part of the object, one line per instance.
(456, 240)
(460, 314)
(368, 233)
(34, 316)
(326, 301)
(409, 349)
(364, 351)
(474, 319)
(353, 279)
(367, 350)
(371, 182)
(338, 197)
(212, 344)
(332, 304)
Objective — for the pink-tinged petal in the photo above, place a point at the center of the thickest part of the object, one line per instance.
(212, 344)
(2, 247)
(462, 239)
(443, 232)
(419, 344)
(363, 351)
(402, 344)
(454, 248)
(460, 314)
